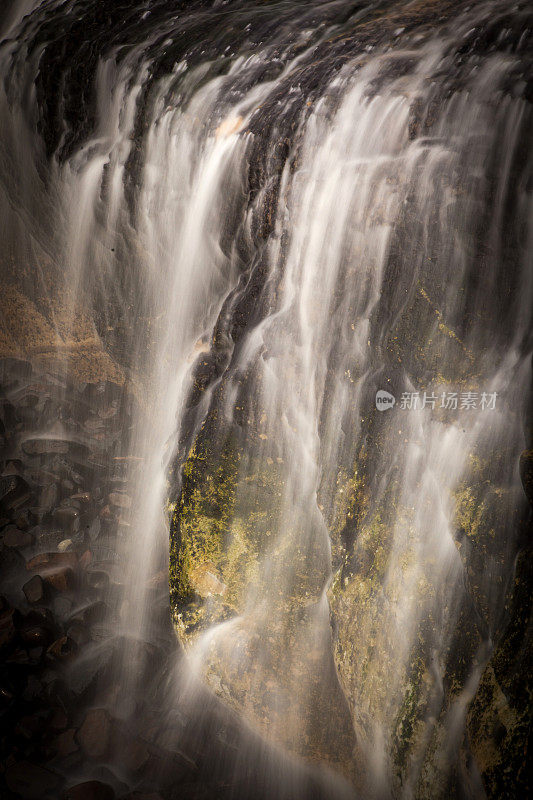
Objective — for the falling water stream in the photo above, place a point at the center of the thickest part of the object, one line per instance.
(268, 212)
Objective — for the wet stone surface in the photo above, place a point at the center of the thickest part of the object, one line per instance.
(62, 491)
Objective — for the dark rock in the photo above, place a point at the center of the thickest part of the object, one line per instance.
(7, 627)
(14, 492)
(143, 796)
(14, 369)
(29, 726)
(168, 769)
(31, 781)
(103, 574)
(68, 518)
(95, 612)
(62, 606)
(64, 744)
(34, 589)
(526, 473)
(48, 496)
(90, 790)
(13, 537)
(36, 636)
(62, 649)
(78, 633)
(56, 569)
(59, 720)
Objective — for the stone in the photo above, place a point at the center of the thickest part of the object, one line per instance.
(14, 492)
(68, 518)
(144, 796)
(65, 545)
(78, 633)
(59, 578)
(45, 446)
(13, 537)
(62, 649)
(90, 790)
(62, 606)
(34, 589)
(44, 560)
(29, 726)
(120, 499)
(94, 736)
(7, 627)
(31, 781)
(36, 635)
(64, 744)
(59, 720)
(526, 473)
(48, 496)
(13, 369)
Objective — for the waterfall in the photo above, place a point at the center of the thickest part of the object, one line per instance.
(246, 220)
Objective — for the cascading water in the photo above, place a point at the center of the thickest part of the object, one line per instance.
(253, 217)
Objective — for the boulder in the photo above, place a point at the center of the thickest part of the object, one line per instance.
(94, 736)
(34, 589)
(90, 790)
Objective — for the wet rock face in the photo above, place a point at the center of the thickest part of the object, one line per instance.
(64, 498)
(59, 574)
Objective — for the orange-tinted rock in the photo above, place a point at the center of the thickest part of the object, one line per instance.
(94, 736)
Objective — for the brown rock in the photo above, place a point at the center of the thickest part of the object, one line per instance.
(34, 589)
(59, 720)
(13, 537)
(62, 648)
(90, 790)
(56, 569)
(64, 744)
(94, 736)
(68, 518)
(7, 628)
(61, 578)
(52, 560)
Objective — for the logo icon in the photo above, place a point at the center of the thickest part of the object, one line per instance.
(384, 400)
